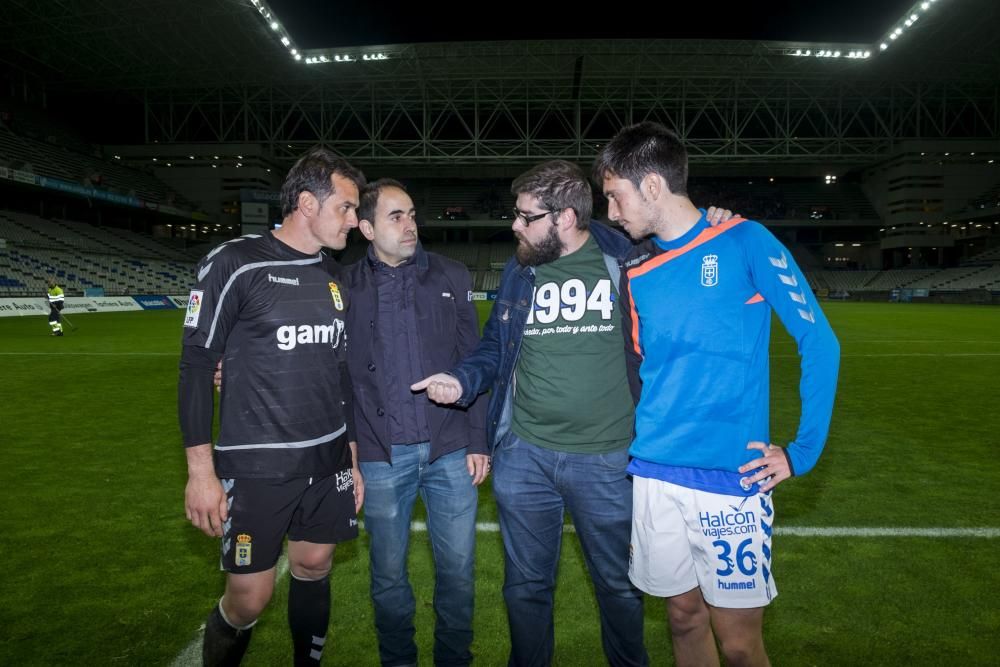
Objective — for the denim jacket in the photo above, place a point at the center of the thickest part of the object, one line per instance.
(491, 365)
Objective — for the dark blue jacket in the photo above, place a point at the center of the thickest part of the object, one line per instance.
(448, 330)
(492, 365)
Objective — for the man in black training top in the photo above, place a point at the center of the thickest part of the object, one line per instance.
(284, 463)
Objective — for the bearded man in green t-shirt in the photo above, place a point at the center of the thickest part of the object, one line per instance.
(560, 441)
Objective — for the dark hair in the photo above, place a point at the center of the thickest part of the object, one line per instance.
(311, 173)
(370, 195)
(558, 184)
(641, 149)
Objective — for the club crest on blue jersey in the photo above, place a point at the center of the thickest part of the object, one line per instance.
(710, 270)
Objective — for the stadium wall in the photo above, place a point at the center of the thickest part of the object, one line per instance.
(93, 304)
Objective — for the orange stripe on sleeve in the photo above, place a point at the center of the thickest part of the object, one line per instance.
(706, 236)
(756, 298)
(635, 324)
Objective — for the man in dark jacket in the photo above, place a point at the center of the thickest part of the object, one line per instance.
(412, 315)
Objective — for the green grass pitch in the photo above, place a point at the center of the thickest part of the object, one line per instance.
(101, 568)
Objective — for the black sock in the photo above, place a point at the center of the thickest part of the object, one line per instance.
(308, 618)
(224, 645)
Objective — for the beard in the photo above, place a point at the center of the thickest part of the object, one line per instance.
(549, 249)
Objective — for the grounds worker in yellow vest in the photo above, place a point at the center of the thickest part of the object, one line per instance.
(55, 306)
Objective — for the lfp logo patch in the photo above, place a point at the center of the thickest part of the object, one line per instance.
(710, 270)
(193, 308)
(338, 301)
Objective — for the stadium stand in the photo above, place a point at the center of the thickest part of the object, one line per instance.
(82, 256)
(893, 278)
(466, 253)
(955, 278)
(987, 256)
(57, 161)
(843, 280)
(499, 254)
(31, 230)
(24, 272)
(987, 199)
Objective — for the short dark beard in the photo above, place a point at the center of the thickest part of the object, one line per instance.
(549, 249)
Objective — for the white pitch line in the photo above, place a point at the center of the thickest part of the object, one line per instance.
(887, 531)
(776, 356)
(905, 354)
(812, 531)
(925, 342)
(92, 354)
(191, 655)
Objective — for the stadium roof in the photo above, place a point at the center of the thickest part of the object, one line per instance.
(115, 45)
(319, 23)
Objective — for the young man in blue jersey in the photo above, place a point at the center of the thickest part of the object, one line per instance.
(696, 303)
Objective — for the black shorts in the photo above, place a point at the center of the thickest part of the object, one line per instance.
(263, 511)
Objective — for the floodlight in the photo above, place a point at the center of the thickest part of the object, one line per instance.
(275, 25)
(285, 41)
(298, 57)
(883, 46)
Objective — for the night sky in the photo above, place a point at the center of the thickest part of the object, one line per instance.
(326, 23)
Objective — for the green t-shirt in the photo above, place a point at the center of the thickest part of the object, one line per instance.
(571, 392)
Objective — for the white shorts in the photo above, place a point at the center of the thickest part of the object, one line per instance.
(684, 538)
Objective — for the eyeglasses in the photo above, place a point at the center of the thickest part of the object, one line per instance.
(527, 218)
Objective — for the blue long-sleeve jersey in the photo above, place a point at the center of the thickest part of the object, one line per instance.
(697, 319)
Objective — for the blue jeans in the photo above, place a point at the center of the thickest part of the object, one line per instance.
(533, 487)
(450, 498)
